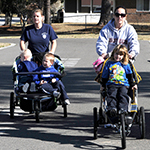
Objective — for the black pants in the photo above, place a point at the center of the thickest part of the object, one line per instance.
(117, 97)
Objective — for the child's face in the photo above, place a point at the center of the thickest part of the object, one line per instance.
(118, 56)
(46, 62)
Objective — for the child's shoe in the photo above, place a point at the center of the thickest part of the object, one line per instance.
(32, 88)
(25, 87)
(67, 102)
(56, 94)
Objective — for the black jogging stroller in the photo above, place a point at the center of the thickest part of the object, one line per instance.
(32, 101)
(122, 122)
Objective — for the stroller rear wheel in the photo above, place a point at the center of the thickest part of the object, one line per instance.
(37, 111)
(122, 130)
(12, 105)
(65, 110)
(95, 122)
(142, 122)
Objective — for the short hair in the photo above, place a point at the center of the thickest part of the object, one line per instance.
(38, 10)
(50, 56)
(122, 50)
(27, 53)
(120, 7)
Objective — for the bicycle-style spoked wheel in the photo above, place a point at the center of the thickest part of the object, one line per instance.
(95, 122)
(122, 131)
(12, 105)
(142, 122)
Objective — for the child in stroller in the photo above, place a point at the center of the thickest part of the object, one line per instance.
(26, 65)
(117, 106)
(117, 76)
(50, 82)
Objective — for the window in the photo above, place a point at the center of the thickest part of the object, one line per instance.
(143, 5)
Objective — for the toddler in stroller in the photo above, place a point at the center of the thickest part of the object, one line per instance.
(50, 83)
(26, 65)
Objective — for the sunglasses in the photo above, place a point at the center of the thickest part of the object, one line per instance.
(122, 15)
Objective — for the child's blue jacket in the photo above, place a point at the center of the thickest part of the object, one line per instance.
(46, 77)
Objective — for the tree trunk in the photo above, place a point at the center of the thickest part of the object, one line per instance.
(47, 11)
(105, 12)
(7, 19)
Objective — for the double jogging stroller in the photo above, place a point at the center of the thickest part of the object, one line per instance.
(122, 122)
(31, 100)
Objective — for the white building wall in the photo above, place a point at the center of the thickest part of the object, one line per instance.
(81, 17)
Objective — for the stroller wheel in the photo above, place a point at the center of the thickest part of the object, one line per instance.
(65, 110)
(122, 131)
(95, 122)
(37, 112)
(12, 105)
(142, 122)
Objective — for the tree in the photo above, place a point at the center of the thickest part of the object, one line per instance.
(105, 12)
(47, 11)
(7, 10)
(25, 7)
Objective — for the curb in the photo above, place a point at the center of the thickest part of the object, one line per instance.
(11, 45)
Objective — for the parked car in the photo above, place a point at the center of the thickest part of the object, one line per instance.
(97, 10)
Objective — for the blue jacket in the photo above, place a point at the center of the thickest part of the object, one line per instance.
(27, 66)
(45, 77)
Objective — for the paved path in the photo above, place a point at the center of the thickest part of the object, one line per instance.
(75, 131)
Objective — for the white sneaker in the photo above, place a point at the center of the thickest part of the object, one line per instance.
(25, 87)
(32, 87)
(67, 102)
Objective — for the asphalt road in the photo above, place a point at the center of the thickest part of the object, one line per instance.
(76, 131)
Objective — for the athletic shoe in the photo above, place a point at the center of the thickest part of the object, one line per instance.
(67, 102)
(25, 87)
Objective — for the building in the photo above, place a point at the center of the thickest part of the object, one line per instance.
(83, 10)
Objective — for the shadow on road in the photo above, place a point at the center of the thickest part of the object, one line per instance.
(77, 80)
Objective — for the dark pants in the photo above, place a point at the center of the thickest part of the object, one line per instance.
(117, 97)
(57, 86)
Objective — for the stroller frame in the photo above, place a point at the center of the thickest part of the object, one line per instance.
(36, 98)
(123, 126)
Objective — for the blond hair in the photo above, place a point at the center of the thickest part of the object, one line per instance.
(26, 55)
(50, 56)
(121, 49)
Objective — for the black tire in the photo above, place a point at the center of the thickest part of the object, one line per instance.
(12, 105)
(95, 122)
(65, 111)
(37, 112)
(142, 122)
(122, 131)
